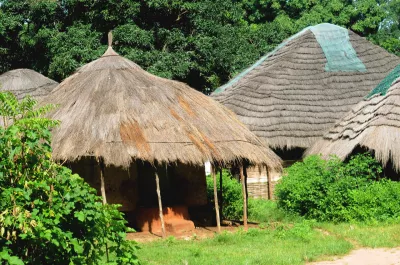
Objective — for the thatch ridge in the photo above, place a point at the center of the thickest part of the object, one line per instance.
(24, 82)
(374, 123)
(290, 100)
(112, 108)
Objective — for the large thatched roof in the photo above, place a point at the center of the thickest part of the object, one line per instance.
(293, 95)
(112, 108)
(374, 123)
(24, 82)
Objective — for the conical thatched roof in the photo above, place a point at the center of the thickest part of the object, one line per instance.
(24, 82)
(374, 123)
(112, 108)
(293, 95)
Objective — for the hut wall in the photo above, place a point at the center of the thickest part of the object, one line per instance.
(180, 184)
(120, 184)
(257, 179)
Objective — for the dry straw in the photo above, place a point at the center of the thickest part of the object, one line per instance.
(374, 124)
(290, 100)
(111, 108)
(24, 82)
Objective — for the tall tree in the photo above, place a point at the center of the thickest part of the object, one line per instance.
(203, 43)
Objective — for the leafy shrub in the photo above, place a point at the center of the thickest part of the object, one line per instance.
(47, 214)
(339, 191)
(259, 210)
(232, 203)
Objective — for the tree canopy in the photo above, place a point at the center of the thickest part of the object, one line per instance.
(203, 43)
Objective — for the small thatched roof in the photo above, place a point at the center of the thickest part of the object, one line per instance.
(374, 124)
(24, 82)
(112, 108)
(293, 95)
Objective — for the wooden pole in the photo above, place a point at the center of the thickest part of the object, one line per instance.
(242, 179)
(102, 184)
(160, 205)
(247, 191)
(269, 179)
(103, 193)
(216, 199)
(221, 199)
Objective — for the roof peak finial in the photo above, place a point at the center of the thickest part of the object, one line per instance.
(110, 38)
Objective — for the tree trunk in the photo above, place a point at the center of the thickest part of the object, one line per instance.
(269, 179)
(160, 206)
(216, 198)
(242, 179)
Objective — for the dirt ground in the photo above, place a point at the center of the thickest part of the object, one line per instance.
(366, 256)
(199, 232)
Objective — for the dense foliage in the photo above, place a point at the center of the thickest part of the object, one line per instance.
(47, 214)
(232, 201)
(203, 42)
(339, 191)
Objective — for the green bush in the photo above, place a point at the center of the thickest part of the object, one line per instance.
(232, 203)
(47, 214)
(339, 191)
(259, 210)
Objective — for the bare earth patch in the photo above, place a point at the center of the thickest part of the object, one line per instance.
(367, 256)
(199, 233)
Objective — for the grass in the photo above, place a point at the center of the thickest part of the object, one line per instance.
(281, 239)
(253, 247)
(363, 235)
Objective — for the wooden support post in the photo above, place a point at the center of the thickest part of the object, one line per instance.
(160, 205)
(247, 191)
(221, 197)
(102, 182)
(269, 179)
(103, 192)
(242, 179)
(216, 198)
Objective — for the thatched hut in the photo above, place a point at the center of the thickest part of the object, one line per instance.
(129, 132)
(373, 124)
(24, 82)
(293, 95)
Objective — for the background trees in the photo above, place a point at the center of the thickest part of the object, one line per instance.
(203, 43)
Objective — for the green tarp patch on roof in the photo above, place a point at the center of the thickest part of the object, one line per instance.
(385, 84)
(339, 53)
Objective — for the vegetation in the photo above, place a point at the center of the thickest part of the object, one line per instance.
(339, 191)
(269, 243)
(257, 246)
(203, 43)
(232, 202)
(47, 214)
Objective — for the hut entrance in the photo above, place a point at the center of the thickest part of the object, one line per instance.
(147, 186)
(181, 186)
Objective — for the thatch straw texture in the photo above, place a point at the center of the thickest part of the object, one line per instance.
(111, 108)
(289, 100)
(24, 82)
(374, 123)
